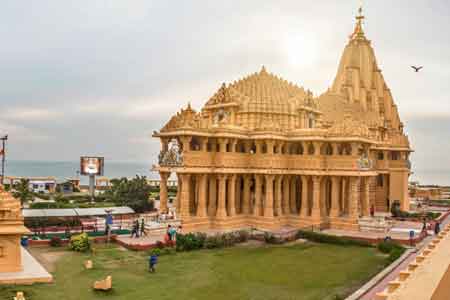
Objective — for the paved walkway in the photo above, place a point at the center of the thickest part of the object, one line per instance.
(379, 287)
(32, 272)
(141, 241)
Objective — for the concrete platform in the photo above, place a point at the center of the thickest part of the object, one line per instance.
(140, 243)
(32, 272)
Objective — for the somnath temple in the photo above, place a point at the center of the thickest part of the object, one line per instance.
(265, 153)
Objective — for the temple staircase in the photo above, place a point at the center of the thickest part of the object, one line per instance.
(374, 224)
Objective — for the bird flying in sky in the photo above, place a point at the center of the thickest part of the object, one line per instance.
(416, 69)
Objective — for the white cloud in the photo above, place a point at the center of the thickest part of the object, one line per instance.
(22, 134)
(31, 114)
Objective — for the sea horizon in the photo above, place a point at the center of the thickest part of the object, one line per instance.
(117, 169)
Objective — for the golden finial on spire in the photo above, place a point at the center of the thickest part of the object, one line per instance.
(359, 20)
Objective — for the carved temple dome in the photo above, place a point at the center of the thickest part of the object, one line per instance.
(265, 102)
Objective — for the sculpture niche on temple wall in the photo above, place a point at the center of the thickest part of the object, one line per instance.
(172, 157)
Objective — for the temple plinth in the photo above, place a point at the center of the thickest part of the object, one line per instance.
(266, 153)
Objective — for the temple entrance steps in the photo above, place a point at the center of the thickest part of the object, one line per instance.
(374, 224)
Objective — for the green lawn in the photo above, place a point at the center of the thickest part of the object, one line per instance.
(302, 271)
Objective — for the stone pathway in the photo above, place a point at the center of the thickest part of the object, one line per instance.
(380, 286)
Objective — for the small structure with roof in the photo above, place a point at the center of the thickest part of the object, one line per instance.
(17, 266)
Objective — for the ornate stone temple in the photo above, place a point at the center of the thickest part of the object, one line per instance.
(11, 230)
(266, 153)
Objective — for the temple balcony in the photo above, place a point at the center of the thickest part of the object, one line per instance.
(273, 161)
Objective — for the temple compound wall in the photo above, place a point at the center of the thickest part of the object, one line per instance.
(266, 153)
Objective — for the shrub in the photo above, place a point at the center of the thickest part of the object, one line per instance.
(212, 242)
(242, 236)
(395, 208)
(269, 238)
(393, 249)
(395, 254)
(155, 251)
(330, 239)
(80, 243)
(387, 246)
(55, 241)
(190, 241)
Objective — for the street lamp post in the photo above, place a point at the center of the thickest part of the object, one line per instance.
(3, 152)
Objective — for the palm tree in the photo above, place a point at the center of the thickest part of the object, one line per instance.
(22, 191)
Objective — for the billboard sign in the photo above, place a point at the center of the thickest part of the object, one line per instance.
(91, 165)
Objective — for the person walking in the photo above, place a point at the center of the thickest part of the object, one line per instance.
(136, 225)
(143, 227)
(133, 230)
(153, 260)
(437, 228)
(172, 234)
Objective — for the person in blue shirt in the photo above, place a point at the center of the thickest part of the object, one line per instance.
(153, 260)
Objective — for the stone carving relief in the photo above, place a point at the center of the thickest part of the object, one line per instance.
(172, 157)
(364, 163)
(221, 117)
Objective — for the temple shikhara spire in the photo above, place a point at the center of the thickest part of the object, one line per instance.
(264, 152)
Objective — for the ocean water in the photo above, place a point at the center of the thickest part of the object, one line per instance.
(67, 169)
(62, 170)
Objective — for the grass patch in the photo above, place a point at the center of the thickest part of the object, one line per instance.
(303, 271)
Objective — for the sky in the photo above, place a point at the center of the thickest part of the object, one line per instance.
(98, 77)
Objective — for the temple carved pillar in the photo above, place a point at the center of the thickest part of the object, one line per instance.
(186, 143)
(204, 144)
(223, 145)
(238, 197)
(317, 146)
(355, 149)
(335, 147)
(258, 195)
(344, 195)
(185, 195)
(232, 196)
(335, 208)
(268, 205)
(304, 212)
(366, 197)
(246, 196)
(286, 193)
(293, 195)
(315, 210)
(179, 190)
(212, 207)
(163, 192)
(258, 144)
(354, 194)
(221, 208)
(202, 209)
(278, 195)
(270, 144)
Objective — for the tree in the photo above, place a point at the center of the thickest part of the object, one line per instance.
(22, 191)
(134, 193)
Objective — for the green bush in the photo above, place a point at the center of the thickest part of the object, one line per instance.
(393, 249)
(155, 251)
(80, 242)
(330, 239)
(190, 241)
(269, 238)
(387, 246)
(395, 254)
(242, 236)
